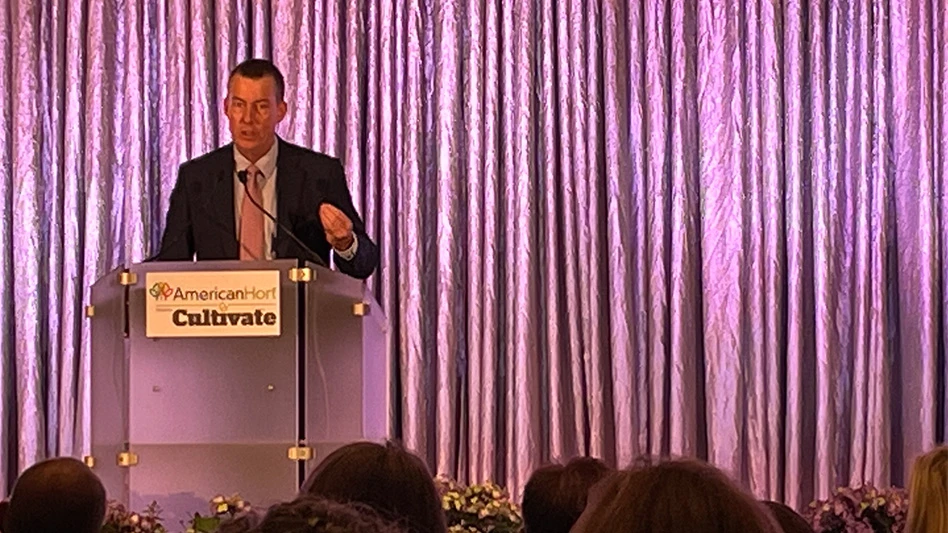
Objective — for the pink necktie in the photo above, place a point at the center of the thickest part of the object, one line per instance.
(251, 219)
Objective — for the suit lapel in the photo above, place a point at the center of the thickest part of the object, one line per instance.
(288, 190)
(224, 206)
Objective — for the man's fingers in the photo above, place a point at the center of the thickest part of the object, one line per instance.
(334, 218)
(330, 210)
(338, 227)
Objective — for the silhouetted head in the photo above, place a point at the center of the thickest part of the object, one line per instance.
(391, 480)
(312, 514)
(928, 493)
(56, 496)
(555, 495)
(242, 523)
(673, 497)
(789, 520)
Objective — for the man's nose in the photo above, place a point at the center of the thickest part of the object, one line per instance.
(246, 116)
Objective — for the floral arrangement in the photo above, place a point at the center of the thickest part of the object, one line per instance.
(118, 519)
(482, 508)
(221, 508)
(864, 509)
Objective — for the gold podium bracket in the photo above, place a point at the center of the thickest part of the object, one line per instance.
(301, 275)
(126, 459)
(89, 461)
(128, 278)
(300, 453)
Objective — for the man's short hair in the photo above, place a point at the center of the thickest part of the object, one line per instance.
(256, 69)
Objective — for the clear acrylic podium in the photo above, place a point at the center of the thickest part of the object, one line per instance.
(181, 420)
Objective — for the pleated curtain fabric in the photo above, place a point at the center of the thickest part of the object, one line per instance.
(711, 228)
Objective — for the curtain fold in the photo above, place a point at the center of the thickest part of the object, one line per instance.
(610, 228)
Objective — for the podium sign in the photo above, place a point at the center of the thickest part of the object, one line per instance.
(235, 303)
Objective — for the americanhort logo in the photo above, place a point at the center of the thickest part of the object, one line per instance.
(163, 291)
(213, 304)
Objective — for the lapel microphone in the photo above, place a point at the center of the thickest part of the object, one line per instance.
(242, 177)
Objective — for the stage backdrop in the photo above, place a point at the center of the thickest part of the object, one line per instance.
(607, 227)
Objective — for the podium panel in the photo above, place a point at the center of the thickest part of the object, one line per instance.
(235, 390)
(109, 379)
(182, 478)
(180, 419)
(350, 342)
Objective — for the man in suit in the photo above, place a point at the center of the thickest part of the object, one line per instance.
(210, 216)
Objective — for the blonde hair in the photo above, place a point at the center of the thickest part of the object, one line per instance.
(928, 493)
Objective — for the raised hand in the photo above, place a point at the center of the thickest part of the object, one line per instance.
(337, 226)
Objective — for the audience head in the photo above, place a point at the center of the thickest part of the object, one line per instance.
(387, 478)
(56, 496)
(674, 496)
(788, 519)
(311, 514)
(242, 523)
(928, 493)
(555, 495)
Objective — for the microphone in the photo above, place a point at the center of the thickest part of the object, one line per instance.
(242, 176)
(187, 227)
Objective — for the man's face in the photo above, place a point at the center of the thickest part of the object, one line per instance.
(253, 110)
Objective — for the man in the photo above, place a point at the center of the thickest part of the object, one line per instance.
(55, 496)
(211, 217)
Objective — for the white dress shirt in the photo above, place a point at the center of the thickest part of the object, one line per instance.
(267, 165)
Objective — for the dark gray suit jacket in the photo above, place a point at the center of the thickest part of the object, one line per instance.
(201, 213)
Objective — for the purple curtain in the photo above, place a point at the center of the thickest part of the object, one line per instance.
(712, 228)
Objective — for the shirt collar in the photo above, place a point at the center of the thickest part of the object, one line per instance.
(266, 164)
